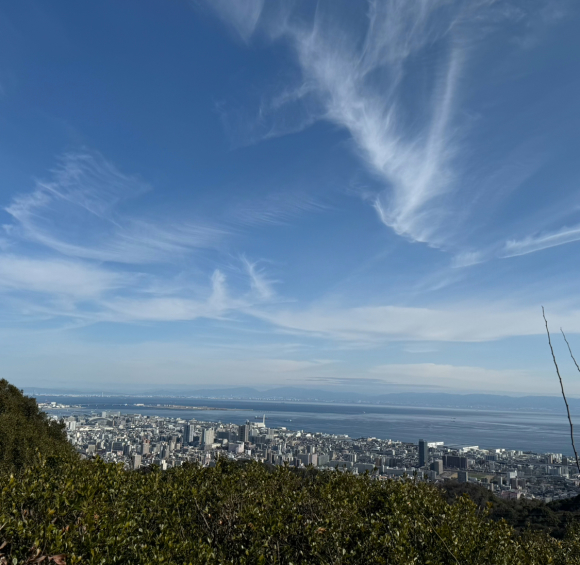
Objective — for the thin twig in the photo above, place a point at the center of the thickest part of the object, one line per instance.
(563, 393)
(570, 349)
(433, 529)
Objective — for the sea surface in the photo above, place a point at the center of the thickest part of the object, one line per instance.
(537, 431)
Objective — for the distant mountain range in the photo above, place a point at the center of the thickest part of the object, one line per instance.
(434, 399)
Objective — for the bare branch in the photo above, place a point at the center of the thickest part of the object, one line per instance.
(434, 530)
(570, 350)
(563, 393)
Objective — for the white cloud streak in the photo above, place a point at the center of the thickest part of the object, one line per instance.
(259, 281)
(455, 377)
(57, 277)
(77, 213)
(275, 209)
(375, 325)
(416, 166)
(241, 16)
(469, 258)
(531, 244)
(107, 272)
(358, 86)
(393, 81)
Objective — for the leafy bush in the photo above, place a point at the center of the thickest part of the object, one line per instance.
(97, 513)
(25, 431)
(554, 518)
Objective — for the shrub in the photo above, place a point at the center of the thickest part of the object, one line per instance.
(97, 513)
(26, 431)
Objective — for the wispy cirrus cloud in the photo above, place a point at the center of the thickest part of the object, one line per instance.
(373, 325)
(469, 258)
(276, 208)
(356, 80)
(91, 260)
(260, 283)
(216, 304)
(79, 213)
(538, 242)
(58, 277)
(395, 80)
(456, 377)
(77, 290)
(360, 84)
(241, 16)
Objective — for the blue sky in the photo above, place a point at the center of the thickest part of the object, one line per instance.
(375, 196)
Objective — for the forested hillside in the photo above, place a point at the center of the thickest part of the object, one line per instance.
(26, 432)
(92, 512)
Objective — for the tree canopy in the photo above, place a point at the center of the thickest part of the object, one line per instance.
(98, 513)
(26, 431)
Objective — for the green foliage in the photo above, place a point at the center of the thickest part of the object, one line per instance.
(554, 518)
(97, 513)
(25, 431)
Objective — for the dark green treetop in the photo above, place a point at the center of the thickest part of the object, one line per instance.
(26, 431)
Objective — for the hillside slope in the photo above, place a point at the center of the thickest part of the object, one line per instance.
(25, 431)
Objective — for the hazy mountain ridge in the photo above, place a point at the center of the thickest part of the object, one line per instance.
(434, 399)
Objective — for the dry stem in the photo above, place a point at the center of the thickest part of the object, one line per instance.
(563, 393)
(570, 349)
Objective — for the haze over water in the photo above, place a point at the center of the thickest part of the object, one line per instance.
(538, 431)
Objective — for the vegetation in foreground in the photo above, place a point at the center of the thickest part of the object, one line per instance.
(26, 431)
(56, 508)
(554, 518)
(93, 512)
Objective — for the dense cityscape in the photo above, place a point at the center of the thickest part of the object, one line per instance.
(138, 441)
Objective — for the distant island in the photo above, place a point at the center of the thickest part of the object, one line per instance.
(299, 394)
(182, 407)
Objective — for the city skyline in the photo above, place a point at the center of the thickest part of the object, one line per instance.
(377, 197)
(136, 440)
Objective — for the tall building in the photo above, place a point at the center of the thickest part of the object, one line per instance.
(423, 453)
(208, 436)
(463, 476)
(244, 432)
(136, 460)
(145, 447)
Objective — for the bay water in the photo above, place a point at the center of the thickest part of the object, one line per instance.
(537, 431)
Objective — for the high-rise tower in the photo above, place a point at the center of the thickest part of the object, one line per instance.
(423, 453)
